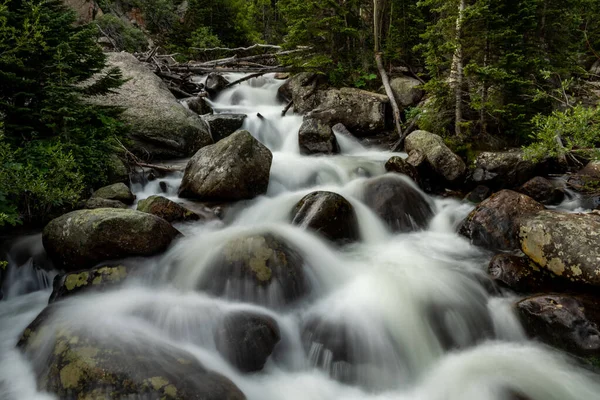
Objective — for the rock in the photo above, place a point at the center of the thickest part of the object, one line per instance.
(570, 323)
(503, 169)
(442, 160)
(247, 340)
(198, 105)
(236, 168)
(81, 239)
(315, 137)
(76, 363)
(215, 83)
(257, 268)
(494, 224)
(300, 89)
(542, 190)
(160, 127)
(564, 244)
(282, 75)
(400, 166)
(479, 194)
(223, 125)
(117, 171)
(587, 183)
(166, 209)
(118, 192)
(85, 11)
(398, 203)
(329, 214)
(407, 91)
(101, 278)
(519, 274)
(97, 202)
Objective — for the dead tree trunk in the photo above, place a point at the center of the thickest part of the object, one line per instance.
(456, 74)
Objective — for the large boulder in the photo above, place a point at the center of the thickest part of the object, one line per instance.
(236, 168)
(407, 91)
(503, 169)
(118, 191)
(564, 244)
(198, 105)
(316, 137)
(300, 89)
(160, 127)
(398, 202)
(400, 166)
(96, 279)
(494, 223)
(571, 323)
(215, 83)
(97, 202)
(262, 269)
(223, 125)
(86, 11)
(519, 274)
(329, 214)
(447, 165)
(82, 239)
(247, 340)
(166, 209)
(73, 362)
(543, 190)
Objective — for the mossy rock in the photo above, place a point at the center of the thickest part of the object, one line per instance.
(251, 268)
(96, 279)
(81, 239)
(166, 209)
(117, 171)
(97, 202)
(117, 191)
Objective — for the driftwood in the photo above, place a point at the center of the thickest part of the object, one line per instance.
(238, 49)
(246, 78)
(287, 107)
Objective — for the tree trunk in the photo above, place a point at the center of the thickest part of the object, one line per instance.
(456, 74)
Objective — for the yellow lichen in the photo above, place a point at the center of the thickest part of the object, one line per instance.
(70, 376)
(158, 382)
(576, 270)
(533, 242)
(76, 280)
(556, 266)
(171, 391)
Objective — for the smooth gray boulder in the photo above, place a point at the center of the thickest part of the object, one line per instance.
(166, 209)
(118, 191)
(442, 160)
(407, 91)
(503, 169)
(223, 125)
(316, 137)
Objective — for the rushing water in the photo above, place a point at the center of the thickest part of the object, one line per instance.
(413, 309)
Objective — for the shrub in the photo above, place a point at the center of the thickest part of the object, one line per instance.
(125, 36)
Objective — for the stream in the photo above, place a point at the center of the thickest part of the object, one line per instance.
(414, 311)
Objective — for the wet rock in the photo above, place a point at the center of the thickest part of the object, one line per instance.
(315, 137)
(247, 340)
(97, 202)
(166, 209)
(81, 239)
(479, 194)
(236, 168)
(96, 279)
(570, 323)
(76, 363)
(503, 169)
(400, 166)
(301, 89)
(282, 75)
(407, 91)
(223, 125)
(442, 160)
(329, 214)
(160, 127)
(398, 203)
(163, 186)
(519, 274)
(215, 83)
(262, 269)
(542, 190)
(587, 183)
(494, 223)
(198, 105)
(118, 191)
(564, 244)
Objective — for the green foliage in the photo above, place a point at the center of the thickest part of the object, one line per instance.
(126, 36)
(53, 144)
(204, 38)
(577, 127)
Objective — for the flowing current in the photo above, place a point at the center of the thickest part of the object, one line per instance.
(412, 311)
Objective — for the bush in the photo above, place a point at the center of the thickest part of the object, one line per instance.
(125, 36)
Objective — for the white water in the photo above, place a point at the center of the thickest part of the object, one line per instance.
(419, 323)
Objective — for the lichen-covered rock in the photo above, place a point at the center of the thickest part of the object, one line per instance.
(564, 244)
(401, 166)
(571, 323)
(479, 194)
(117, 171)
(519, 274)
(503, 169)
(442, 160)
(117, 191)
(236, 168)
(398, 202)
(494, 223)
(543, 190)
(223, 125)
(215, 83)
(315, 137)
(101, 278)
(97, 202)
(160, 127)
(198, 105)
(81, 239)
(407, 91)
(329, 214)
(247, 340)
(166, 209)
(76, 363)
(262, 269)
